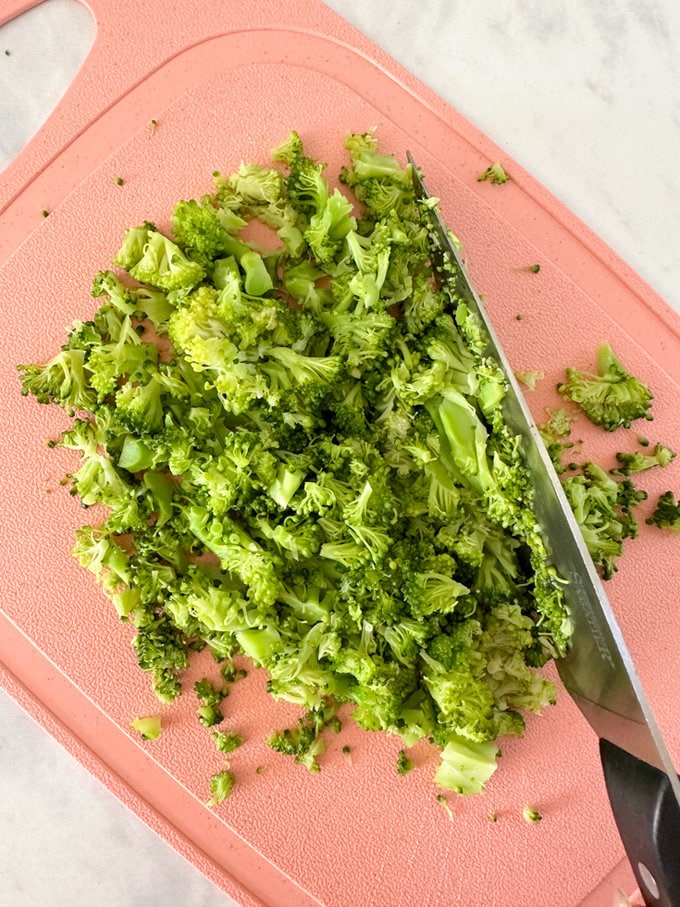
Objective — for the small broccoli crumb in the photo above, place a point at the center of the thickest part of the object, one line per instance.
(45, 212)
(230, 673)
(209, 715)
(530, 378)
(404, 763)
(304, 741)
(149, 726)
(494, 174)
(347, 754)
(119, 181)
(666, 514)
(531, 815)
(611, 398)
(221, 787)
(637, 461)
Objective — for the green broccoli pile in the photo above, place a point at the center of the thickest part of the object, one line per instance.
(300, 445)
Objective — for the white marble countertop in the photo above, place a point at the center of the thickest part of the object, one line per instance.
(585, 95)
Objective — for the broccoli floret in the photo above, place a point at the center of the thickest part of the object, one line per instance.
(96, 551)
(531, 815)
(152, 258)
(666, 514)
(197, 227)
(327, 217)
(378, 180)
(106, 283)
(255, 185)
(63, 380)
(305, 463)
(161, 651)
(221, 787)
(637, 461)
(611, 398)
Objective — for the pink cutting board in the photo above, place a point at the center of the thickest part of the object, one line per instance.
(225, 85)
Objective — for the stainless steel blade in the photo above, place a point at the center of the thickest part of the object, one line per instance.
(597, 670)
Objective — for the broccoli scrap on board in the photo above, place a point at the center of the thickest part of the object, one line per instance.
(221, 787)
(302, 454)
(556, 432)
(640, 461)
(494, 173)
(149, 727)
(666, 514)
(611, 398)
(604, 508)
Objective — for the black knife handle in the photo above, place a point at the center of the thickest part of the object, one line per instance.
(647, 815)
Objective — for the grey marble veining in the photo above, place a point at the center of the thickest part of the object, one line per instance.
(585, 95)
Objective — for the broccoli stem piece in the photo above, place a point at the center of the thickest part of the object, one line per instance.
(660, 455)
(148, 726)
(221, 787)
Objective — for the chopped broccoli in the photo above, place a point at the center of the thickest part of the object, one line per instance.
(531, 815)
(611, 398)
(495, 173)
(221, 787)
(62, 380)
(148, 726)
(604, 510)
(152, 258)
(227, 742)
(637, 461)
(530, 378)
(666, 514)
(466, 765)
(404, 763)
(209, 712)
(302, 459)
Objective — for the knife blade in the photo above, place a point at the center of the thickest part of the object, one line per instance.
(597, 669)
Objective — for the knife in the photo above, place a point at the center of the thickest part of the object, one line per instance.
(597, 670)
